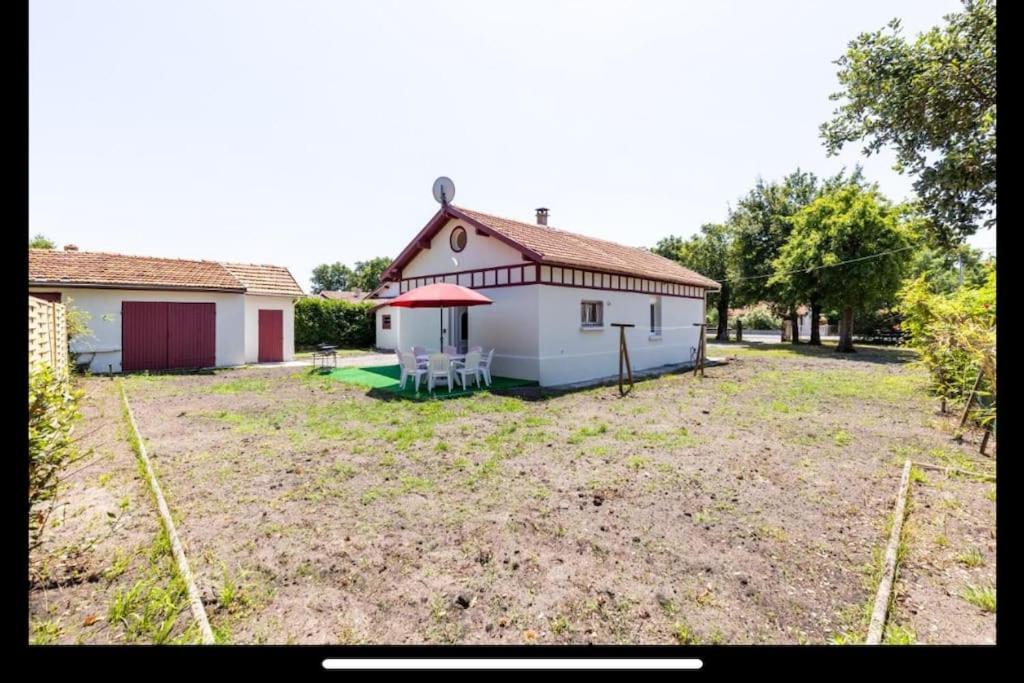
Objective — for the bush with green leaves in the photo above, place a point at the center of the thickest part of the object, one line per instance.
(955, 334)
(760, 317)
(52, 414)
(340, 323)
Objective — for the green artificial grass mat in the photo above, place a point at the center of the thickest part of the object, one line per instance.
(385, 378)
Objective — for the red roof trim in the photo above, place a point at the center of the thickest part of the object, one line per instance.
(433, 226)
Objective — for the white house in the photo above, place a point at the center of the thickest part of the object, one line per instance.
(556, 294)
(148, 313)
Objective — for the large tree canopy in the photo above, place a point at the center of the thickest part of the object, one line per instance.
(366, 274)
(331, 277)
(41, 241)
(934, 101)
(710, 254)
(850, 243)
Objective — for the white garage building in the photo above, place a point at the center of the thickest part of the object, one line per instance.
(555, 295)
(148, 313)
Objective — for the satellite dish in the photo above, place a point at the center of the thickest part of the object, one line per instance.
(444, 190)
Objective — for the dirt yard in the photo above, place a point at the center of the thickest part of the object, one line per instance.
(750, 506)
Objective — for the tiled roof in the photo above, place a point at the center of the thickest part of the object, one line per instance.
(262, 279)
(340, 295)
(49, 267)
(569, 248)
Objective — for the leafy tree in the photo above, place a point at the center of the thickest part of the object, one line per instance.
(41, 241)
(710, 254)
(934, 101)
(842, 225)
(53, 410)
(331, 277)
(946, 270)
(761, 224)
(366, 275)
(955, 335)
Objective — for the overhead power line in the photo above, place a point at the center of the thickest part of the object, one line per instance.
(813, 268)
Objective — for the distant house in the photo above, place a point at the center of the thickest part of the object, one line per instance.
(555, 295)
(351, 296)
(150, 313)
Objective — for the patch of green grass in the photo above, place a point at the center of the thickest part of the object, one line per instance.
(971, 558)
(684, 635)
(583, 433)
(982, 597)
(410, 484)
(636, 462)
(370, 495)
(898, 635)
(559, 625)
(842, 438)
(118, 566)
(917, 476)
(46, 632)
(240, 386)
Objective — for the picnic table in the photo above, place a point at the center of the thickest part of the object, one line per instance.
(324, 352)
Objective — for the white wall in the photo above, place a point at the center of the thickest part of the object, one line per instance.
(480, 252)
(253, 304)
(386, 339)
(104, 307)
(569, 353)
(510, 326)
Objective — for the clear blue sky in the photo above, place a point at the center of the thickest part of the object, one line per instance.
(301, 132)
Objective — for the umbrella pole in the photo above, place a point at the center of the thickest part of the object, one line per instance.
(440, 329)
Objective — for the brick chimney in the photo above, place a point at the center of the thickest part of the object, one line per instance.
(70, 247)
(542, 216)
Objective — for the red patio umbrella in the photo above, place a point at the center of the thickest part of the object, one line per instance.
(439, 295)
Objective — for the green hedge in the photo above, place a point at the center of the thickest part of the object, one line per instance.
(341, 323)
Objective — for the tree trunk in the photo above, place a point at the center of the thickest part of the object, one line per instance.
(794, 326)
(846, 331)
(815, 327)
(723, 315)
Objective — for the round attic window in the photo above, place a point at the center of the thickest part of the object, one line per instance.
(458, 238)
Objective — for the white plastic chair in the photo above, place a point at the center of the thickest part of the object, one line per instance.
(477, 348)
(439, 367)
(471, 366)
(410, 368)
(450, 350)
(485, 366)
(418, 352)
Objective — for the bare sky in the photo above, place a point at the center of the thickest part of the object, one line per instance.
(301, 132)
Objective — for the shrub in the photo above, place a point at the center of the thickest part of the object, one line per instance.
(760, 317)
(955, 334)
(52, 413)
(327, 321)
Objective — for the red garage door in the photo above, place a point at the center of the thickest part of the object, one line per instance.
(271, 336)
(157, 335)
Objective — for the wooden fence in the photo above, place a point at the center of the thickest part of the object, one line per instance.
(47, 335)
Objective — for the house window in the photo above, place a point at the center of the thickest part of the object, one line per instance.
(458, 238)
(592, 314)
(655, 316)
(385, 322)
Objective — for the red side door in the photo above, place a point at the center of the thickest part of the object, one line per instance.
(271, 336)
(191, 335)
(143, 335)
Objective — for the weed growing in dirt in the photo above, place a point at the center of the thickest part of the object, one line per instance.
(982, 597)
(971, 559)
(898, 635)
(240, 386)
(684, 635)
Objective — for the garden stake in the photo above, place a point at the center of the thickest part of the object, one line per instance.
(878, 615)
(624, 356)
(970, 400)
(194, 599)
